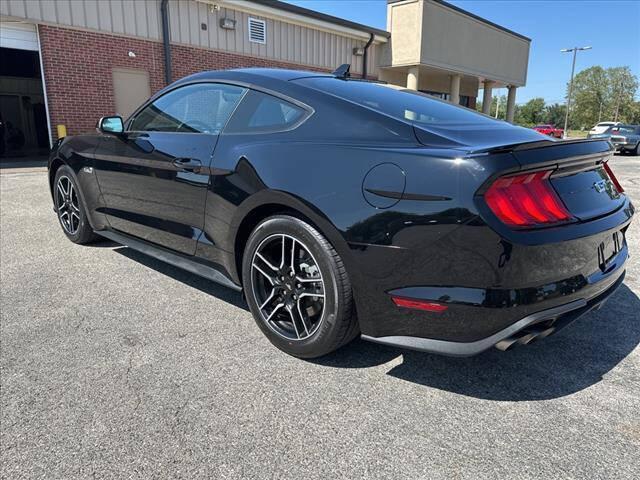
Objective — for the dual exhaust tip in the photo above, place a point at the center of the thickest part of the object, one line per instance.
(524, 337)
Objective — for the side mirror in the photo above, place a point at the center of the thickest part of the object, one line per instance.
(111, 125)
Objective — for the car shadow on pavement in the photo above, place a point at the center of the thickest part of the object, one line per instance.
(207, 286)
(574, 359)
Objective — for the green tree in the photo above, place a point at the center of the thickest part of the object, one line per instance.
(602, 94)
(634, 115)
(554, 114)
(591, 97)
(531, 113)
(623, 86)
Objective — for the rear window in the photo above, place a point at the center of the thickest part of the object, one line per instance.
(397, 102)
(623, 129)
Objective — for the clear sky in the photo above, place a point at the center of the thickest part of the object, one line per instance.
(611, 27)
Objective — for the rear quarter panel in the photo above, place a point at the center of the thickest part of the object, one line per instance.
(383, 248)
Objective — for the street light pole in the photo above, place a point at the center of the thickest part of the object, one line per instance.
(573, 69)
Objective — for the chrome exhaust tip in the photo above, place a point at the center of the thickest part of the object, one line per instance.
(524, 337)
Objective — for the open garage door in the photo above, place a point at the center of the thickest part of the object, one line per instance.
(24, 132)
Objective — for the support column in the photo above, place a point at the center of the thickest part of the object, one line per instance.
(487, 96)
(511, 103)
(454, 89)
(413, 78)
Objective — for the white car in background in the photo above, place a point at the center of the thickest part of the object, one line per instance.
(602, 127)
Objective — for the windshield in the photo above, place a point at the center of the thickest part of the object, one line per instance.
(398, 102)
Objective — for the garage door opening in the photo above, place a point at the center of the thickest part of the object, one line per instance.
(24, 122)
(24, 132)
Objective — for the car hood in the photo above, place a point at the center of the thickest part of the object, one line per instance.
(477, 137)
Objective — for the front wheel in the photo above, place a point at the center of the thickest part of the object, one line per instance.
(297, 288)
(72, 214)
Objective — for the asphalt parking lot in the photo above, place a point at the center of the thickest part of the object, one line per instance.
(114, 365)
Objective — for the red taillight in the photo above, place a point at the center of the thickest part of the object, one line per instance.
(526, 200)
(613, 178)
(419, 304)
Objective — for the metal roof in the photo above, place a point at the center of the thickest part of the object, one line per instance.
(288, 7)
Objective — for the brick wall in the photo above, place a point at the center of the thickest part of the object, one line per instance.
(78, 77)
(77, 73)
(188, 60)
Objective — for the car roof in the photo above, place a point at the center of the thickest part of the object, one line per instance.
(255, 74)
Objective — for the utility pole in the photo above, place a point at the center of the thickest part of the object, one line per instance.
(600, 112)
(573, 68)
(615, 117)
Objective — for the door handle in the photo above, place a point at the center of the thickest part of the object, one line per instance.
(187, 164)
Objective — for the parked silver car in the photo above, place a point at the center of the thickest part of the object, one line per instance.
(624, 138)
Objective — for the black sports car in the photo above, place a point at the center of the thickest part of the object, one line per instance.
(344, 207)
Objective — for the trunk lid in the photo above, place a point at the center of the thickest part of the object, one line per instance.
(580, 178)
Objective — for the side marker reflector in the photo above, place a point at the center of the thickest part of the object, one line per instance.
(419, 304)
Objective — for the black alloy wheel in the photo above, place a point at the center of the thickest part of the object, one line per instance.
(288, 287)
(297, 288)
(70, 208)
(68, 205)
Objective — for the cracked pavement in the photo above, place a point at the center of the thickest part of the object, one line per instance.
(114, 365)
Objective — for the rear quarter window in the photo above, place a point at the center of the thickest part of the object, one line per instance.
(262, 113)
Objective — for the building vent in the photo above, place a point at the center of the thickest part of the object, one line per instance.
(257, 31)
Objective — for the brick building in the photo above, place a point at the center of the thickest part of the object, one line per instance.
(68, 62)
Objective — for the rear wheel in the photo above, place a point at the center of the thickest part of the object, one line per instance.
(70, 209)
(297, 288)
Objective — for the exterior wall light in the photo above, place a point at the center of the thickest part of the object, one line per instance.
(358, 51)
(228, 23)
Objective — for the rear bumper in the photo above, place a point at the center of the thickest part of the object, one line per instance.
(526, 330)
(619, 146)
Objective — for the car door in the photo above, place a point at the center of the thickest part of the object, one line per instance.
(258, 127)
(154, 176)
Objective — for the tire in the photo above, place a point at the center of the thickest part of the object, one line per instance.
(636, 151)
(308, 327)
(69, 204)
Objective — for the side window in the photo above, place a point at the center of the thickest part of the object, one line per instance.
(262, 113)
(198, 108)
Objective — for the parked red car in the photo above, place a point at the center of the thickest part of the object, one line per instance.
(549, 130)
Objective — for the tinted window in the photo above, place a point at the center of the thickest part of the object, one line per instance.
(199, 108)
(260, 112)
(628, 129)
(397, 102)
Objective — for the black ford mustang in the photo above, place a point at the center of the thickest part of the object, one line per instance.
(342, 207)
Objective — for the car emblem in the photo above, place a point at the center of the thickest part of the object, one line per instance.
(600, 186)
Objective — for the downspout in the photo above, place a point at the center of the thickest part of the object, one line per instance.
(364, 56)
(164, 11)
